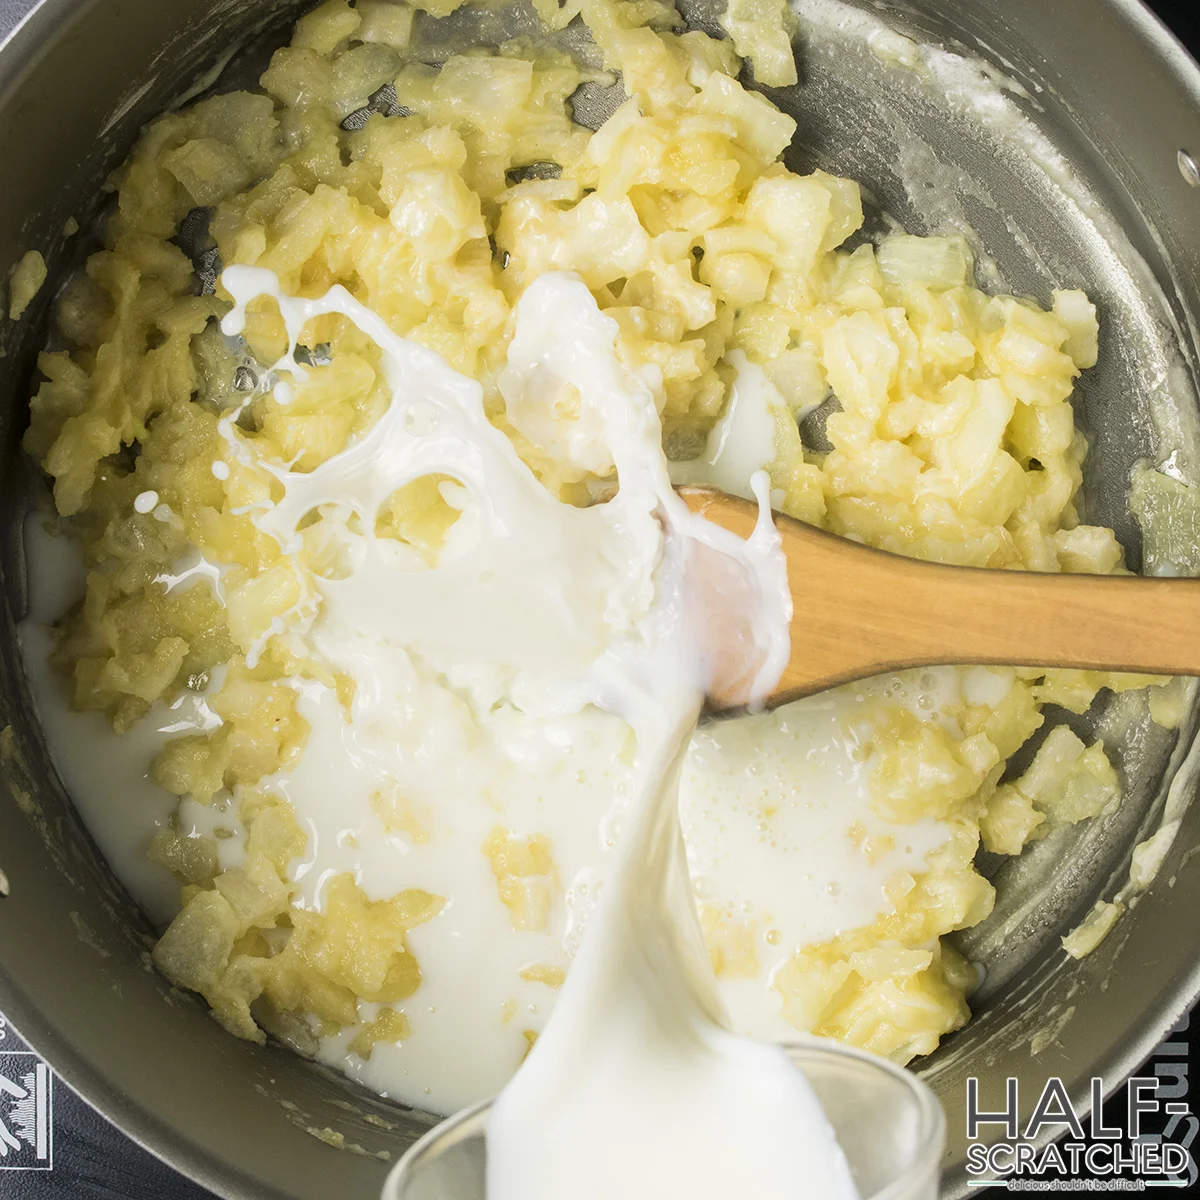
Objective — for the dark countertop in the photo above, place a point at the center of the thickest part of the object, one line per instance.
(91, 1160)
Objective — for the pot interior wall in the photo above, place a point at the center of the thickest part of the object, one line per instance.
(79, 79)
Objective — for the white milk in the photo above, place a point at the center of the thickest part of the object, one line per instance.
(108, 777)
(635, 1089)
(742, 442)
(518, 686)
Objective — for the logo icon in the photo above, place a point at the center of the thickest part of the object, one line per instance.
(26, 1112)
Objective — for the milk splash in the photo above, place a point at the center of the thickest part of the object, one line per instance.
(635, 1088)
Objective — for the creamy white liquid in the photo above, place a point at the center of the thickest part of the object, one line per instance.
(635, 1089)
(477, 726)
(743, 441)
(607, 607)
(108, 777)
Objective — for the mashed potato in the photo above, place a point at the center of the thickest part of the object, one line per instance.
(950, 437)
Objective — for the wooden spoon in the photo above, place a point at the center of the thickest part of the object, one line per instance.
(860, 612)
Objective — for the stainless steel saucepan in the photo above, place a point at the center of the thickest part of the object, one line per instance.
(1083, 176)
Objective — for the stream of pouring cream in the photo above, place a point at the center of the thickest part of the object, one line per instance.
(636, 1088)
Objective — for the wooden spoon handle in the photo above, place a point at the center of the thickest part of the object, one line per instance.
(860, 612)
(888, 614)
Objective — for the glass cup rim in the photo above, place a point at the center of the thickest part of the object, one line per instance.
(932, 1120)
(931, 1117)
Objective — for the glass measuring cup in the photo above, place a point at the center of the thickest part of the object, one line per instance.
(889, 1124)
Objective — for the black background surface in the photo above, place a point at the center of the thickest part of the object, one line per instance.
(1183, 16)
(94, 1161)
